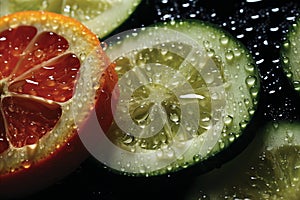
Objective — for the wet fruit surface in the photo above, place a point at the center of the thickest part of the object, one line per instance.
(43, 81)
(261, 26)
(26, 120)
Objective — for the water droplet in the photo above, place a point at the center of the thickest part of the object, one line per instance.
(229, 55)
(254, 91)
(141, 115)
(224, 40)
(38, 53)
(286, 44)
(297, 85)
(104, 46)
(174, 117)
(26, 164)
(197, 158)
(250, 67)
(82, 56)
(243, 124)
(221, 144)
(231, 138)
(228, 120)
(211, 52)
(289, 136)
(128, 139)
(251, 81)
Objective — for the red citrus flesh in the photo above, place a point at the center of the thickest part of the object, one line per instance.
(27, 119)
(38, 76)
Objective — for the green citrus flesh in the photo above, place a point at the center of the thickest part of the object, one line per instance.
(187, 91)
(267, 169)
(101, 16)
(290, 55)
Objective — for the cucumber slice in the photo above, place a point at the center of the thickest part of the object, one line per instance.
(290, 55)
(268, 169)
(101, 16)
(186, 89)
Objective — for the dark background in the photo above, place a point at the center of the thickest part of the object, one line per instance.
(254, 24)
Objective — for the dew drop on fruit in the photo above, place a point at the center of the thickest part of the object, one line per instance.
(228, 120)
(141, 114)
(174, 117)
(26, 164)
(38, 53)
(251, 81)
(229, 55)
(224, 40)
(254, 91)
(250, 67)
(243, 124)
(104, 45)
(296, 85)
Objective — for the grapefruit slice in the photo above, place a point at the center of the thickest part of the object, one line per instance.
(50, 69)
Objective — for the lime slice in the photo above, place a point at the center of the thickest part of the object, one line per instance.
(268, 169)
(290, 55)
(186, 92)
(101, 16)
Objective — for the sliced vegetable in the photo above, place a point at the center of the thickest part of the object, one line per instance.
(187, 90)
(267, 169)
(291, 55)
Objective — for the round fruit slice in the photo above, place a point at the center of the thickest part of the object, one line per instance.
(101, 16)
(290, 55)
(50, 70)
(267, 169)
(186, 91)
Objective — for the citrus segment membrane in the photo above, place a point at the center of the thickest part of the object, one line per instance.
(46, 58)
(186, 91)
(290, 55)
(267, 169)
(101, 16)
(28, 120)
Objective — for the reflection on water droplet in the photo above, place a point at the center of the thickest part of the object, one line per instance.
(229, 55)
(228, 120)
(211, 52)
(26, 164)
(38, 53)
(141, 115)
(250, 67)
(251, 81)
(104, 45)
(174, 117)
(224, 40)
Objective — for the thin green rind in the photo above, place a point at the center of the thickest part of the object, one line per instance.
(267, 169)
(242, 94)
(242, 98)
(116, 14)
(290, 55)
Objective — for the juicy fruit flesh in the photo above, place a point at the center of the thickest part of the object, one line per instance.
(147, 98)
(37, 75)
(267, 169)
(274, 176)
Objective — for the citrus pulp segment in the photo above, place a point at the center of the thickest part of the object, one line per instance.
(290, 55)
(186, 92)
(101, 16)
(52, 67)
(267, 169)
